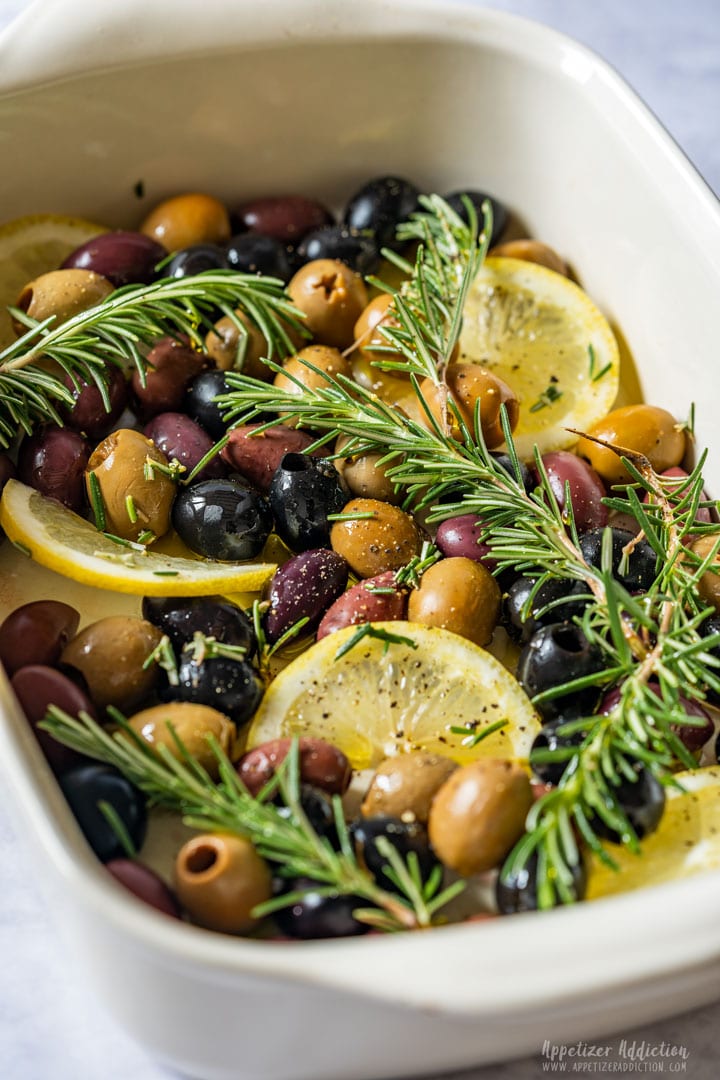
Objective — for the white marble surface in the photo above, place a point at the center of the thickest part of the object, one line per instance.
(50, 1029)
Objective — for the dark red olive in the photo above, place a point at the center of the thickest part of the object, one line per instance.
(89, 414)
(36, 633)
(586, 488)
(692, 735)
(172, 365)
(459, 537)
(180, 438)
(53, 461)
(304, 587)
(122, 257)
(286, 218)
(145, 884)
(373, 600)
(320, 764)
(37, 688)
(257, 457)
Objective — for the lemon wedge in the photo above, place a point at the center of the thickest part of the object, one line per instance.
(544, 336)
(431, 690)
(687, 841)
(30, 246)
(64, 542)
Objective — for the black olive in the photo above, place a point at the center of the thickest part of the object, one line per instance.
(222, 519)
(357, 250)
(303, 491)
(181, 617)
(319, 916)
(195, 259)
(642, 801)
(557, 654)
(200, 402)
(233, 687)
(253, 253)
(86, 786)
(405, 837)
(641, 564)
(549, 738)
(517, 892)
(380, 205)
(521, 626)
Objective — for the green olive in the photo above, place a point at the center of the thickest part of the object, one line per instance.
(467, 384)
(404, 785)
(110, 655)
(364, 476)
(192, 724)
(62, 294)
(135, 498)
(193, 218)
(332, 297)
(460, 595)
(223, 341)
(219, 879)
(479, 814)
(385, 541)
(709, 583)
(643, 429)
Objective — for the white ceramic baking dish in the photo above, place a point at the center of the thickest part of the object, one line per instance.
(243, 98)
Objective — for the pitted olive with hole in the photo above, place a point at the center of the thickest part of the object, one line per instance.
(60, 294)
(193, 724)
(381, 537)
(466, 385)
(405, 785)
(479, 814)
(184, 220)
(533, 251)
(327, 363)
(460, 595)
(219, 879)
(364, 476)
(644, 429)
(332, 297)
(136, 498)
(110, 655)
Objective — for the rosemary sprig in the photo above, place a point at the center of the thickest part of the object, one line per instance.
(121, 330)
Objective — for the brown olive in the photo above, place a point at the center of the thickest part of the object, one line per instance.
(385, 541)
(230, 354)
(183, 220)
(392, 387)
(709, 583)
(367, 328)
(644, 429)
(171, 367)
(364, 476)
(119, 464)
(110, 654)
(192, 724)
(62, 293)
(405, 785)
(467, 384)
(328, 361)
(332, 297)
(478, 814)
(532, 251)
(460, 595)
(219, 879)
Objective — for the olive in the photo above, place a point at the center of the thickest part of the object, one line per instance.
(163, 725)
(381, 537)
(136, 498)
(37, 688)
(468, 384)
(110, 655)
(171, 367)
(406, 837)
(693, 734)
(367, 329)
(231, 686)
(377, 599)
(356, 249)
(643, 429)
(219, 880)
(405, 785)
(222, 519)
(642, 800)
(36, 633)
(200, 403)
(183, 440)
(181, 617)
(303, 588)
(313, 368)
(532, 251)
(517, 891)
(526, 479)
(552, 738)
(195, 259)
(586, 489)
(317, 807)
(318, 915)
(459, 595)
(257, 456)
(88, 413)
(53, 461)
(286, 218)
(709, 584)
(554, 655)
(124, 258)
(380, 205)
(363, 474)
(235, 350)
(676, 491)
(331, 297)
(708, 628)
(556, 600)
(303, 491)
(192, 218)
(89, 785)
(641, 568)
(477, 198)
(394, 388)
(321, 765)
(60, 295)
(459, 537)
(145, 884)
(253, 253)
(479, 814)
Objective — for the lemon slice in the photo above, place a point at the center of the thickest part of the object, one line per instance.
(60, 540)
(30, 246)
(687, 841)
(384, 698)
(544, 336)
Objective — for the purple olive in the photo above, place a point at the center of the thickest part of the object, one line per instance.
(36, 633)
(459, 537)
(179, 437)
(321, 765)
(53, 461)
(258, 457)
(122, 257)
(305, 586)
(376, 599)
(286, 218)
(88, 414)
(586, 488)
(703, 515)
(37, 688)
(172, 365)
(145, 884)
(693, 736)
